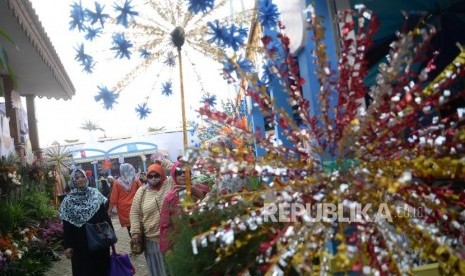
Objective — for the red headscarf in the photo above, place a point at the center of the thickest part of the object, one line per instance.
(173, 172)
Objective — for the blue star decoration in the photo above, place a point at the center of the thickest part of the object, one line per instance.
(268, 14)
(143, 53)
(86, 61)
(98, 15)
(170, 59)
(237, 36)
(218, 33)
(244, 64)
(167, 88)
(122, 46)
(224, 37)
(194, 127)
(125, 11)
(208, 99)
(77, 17)
(92, 33)
(268, 73)
(107, 96)
(143, 111)
(196, 6)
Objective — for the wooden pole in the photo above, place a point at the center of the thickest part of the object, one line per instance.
(32, 123)
(13, 113)
(184, 126)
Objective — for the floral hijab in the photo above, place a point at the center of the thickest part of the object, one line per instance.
(80, 204)
(128, 174)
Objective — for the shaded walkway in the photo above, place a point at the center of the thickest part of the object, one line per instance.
(63, 267)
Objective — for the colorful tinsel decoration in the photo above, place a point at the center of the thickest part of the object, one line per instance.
(349, 154)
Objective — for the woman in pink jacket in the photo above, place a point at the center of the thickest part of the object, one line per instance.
(170, 205)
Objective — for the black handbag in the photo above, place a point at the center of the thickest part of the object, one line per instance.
(100, 236)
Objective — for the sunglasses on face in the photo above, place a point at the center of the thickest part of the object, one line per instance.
(179, 172)
(152, 176)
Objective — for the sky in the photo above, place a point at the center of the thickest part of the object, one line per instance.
(60, 120)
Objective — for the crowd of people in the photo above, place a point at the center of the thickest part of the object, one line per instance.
(146, 204)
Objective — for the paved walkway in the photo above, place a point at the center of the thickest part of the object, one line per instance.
(63, 267)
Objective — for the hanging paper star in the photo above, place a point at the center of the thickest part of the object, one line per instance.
(268, 14)
(143, 111)
(167, 88)
(81, 56)
(244, 64)
(98, 15)
(92, 33)
(236, 37)
(84, 59)
(196, 6)
(77, 17)
(227, 37)
(218, 33)
(194, 127)
(121, 46)
(209, 100)
(88, 66)
(267, 73)
(107, 96)
(143, 53)
(170, 59)
(125, 11)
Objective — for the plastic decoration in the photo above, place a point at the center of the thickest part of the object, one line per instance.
(107, 96)
(143, 111)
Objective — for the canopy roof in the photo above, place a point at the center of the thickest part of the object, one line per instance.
(35, 63)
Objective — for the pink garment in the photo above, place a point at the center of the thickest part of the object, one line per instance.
(170, 209)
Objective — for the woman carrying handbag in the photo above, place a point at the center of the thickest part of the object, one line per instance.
(82, 207)
(145, 217)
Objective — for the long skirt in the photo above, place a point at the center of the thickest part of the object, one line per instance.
(154, 259)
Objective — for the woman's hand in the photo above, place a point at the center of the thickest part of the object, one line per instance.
(68, 253)
(179, 188)
(135, 238)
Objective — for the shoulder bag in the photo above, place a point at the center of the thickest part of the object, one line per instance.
(100, 235)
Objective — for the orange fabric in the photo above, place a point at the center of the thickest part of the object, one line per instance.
(158, 169)
(123, 200)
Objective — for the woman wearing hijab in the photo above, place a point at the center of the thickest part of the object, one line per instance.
(171, 202)
(83, 204)
(124, 189)
(145, 216)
